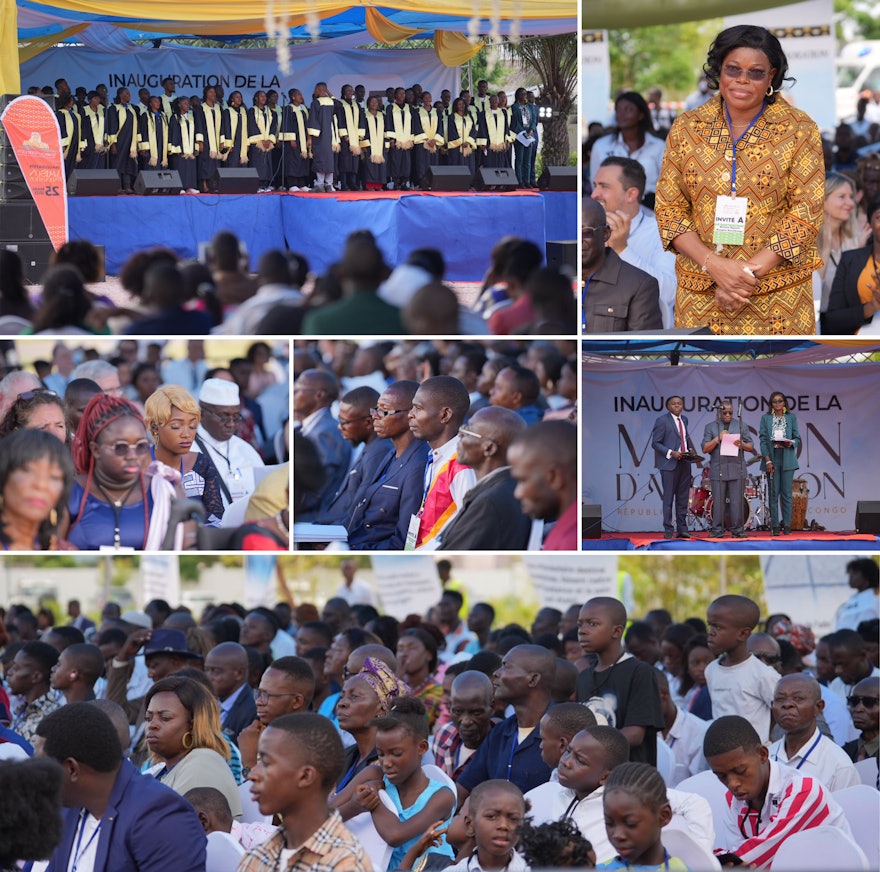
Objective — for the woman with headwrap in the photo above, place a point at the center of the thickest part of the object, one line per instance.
(365, 697)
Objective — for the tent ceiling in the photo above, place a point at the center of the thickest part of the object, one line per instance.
(611, 14)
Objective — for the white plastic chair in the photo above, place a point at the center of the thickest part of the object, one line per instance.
(679, 844)
(250, 811)
(818, 850)
(364, 830)
(233, 514)
(867, 770)
(707, 785)
(223, 853)
(861, 806)
(665, 760)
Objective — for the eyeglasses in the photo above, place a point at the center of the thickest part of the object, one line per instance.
(732, 71)
(465, 432)
(223, 419)
(777, 401)
(37, 392)
(261, 695)
(122, 449)
(353, 420)
(384, 413)
(769, 659)
(590, 232)
(866, 701)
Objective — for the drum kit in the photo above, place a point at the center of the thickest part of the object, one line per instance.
(756, 505)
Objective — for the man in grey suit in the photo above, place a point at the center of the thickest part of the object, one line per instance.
(226, 666)
(314, 392)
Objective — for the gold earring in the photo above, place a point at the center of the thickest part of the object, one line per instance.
(770, 91)
(183, 741)
(53, 517)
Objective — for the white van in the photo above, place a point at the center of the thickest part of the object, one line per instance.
(858, 70)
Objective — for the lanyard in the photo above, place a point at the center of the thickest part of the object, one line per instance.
(804, 758)
(736, 142)
(77, 853)
(513, 745)
(583, 302)
(429, 466)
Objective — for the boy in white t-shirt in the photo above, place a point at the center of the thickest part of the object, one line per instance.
(739, 683)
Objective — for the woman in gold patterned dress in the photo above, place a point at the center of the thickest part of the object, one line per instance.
(761, 160)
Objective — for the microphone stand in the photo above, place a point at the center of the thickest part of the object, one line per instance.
(742, 463)
(284, 110)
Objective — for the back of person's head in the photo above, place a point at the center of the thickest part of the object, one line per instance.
(80, 731)
(87, 659)
(554, 303)
(318, 739)
(431, 310)
(407, 713)
(569, 718)
(487, 662)
(163, 286)
(867, 568)
(362, 265)
(210, 802)
(11, 276)
(429, 259)
(640, 780)
(131, 276)
(225, 251)
(30, 810)
(555, 844)
(300, 675)
(298, 267)
(273, 268)
(523, 259)
(118, 718)
(727, 733)
(80, 253)
(65, 303)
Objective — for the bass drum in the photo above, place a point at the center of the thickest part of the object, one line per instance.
(746, 514)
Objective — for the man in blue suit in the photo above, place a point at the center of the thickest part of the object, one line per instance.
(383, 507)
(314, 392)
(226, 666)
(670, 440)
(524, 121)
(115, 819)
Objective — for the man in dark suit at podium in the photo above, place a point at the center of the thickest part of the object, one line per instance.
(672, 443)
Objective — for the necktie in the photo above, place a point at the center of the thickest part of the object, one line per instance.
(681, 433)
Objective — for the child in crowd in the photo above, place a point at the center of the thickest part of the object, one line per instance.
(556, 844)
(696, 694)
(495, 811)
(620, 690)
(767, 802)
(683, 734)
(738, 682)
(215, 816)
(401, 741)
(586, 763)
(636, 810)
(558, 727)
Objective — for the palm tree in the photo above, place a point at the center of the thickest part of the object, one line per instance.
(554, 59)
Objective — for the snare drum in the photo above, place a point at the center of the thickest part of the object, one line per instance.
(697, 499)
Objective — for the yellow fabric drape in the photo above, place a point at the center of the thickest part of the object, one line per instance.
(384, 30)
(454, 49)
(41, 43)
(10, 77)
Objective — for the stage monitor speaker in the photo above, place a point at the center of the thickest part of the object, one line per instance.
(449, 178)
(93, 183)
(562, 252)
(237, 180)
(868, 517)
(559, 179)
(21, 222)
(34, 257)
(158, 182)
(498, 177)
(591, 521)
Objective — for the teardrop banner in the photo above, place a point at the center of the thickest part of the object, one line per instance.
(35, 137)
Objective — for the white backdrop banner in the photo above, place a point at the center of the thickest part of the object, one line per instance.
(595, 78)
(835, 404)
(806, 33)
(407, 587)
(247, 70)
(160, 577)
(562, 581)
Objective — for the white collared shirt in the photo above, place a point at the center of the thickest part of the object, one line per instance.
(685, 739)
(820, 758)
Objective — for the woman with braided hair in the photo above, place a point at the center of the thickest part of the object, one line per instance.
(110, 504)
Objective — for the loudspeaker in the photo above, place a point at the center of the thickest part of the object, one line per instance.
(559, 179)
(237, 180)
(497, 177)
(93, 183)
(21, 222)
(34, 256)
(868, 516)
(14, 189)
(449, 178)
(562, 253)
(158, 182)
(591, 521)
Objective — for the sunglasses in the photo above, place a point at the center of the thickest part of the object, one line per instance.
(867, 701)
(384, 413)
(122, 449)
(734, 72)
(589, 232)
(769, 659)
(37, 392)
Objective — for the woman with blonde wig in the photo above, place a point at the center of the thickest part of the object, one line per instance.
(185, 739)
(172, 416)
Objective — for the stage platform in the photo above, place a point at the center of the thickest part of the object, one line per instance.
(756, 541)
(464, 226)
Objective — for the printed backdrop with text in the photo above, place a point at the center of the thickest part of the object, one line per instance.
(835, 404)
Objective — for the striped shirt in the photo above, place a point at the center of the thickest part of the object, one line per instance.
(331, 848)
(794, 802)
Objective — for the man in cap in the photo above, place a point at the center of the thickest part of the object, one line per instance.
(220, 403)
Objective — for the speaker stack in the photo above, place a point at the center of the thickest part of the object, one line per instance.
(21, 227)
